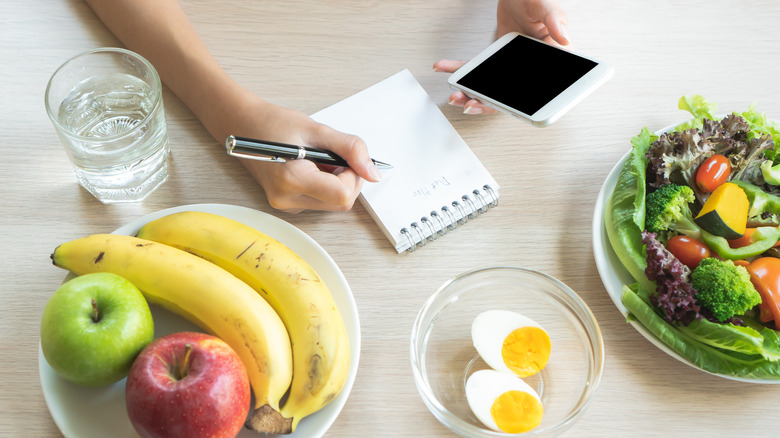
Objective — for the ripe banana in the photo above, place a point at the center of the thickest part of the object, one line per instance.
(321, 350)
(200, 291)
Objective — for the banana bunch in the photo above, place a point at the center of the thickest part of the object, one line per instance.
(200, 291)
(244, 287)
(320, 346)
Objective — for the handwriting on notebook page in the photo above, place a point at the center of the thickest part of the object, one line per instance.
(433, 186)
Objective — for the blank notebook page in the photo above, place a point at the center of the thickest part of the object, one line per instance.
(432, 166)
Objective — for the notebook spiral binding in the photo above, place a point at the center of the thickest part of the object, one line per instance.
(438, 224)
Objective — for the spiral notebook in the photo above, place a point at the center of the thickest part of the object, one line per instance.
(436, 183)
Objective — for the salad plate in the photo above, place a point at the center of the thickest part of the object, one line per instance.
(614, 275)
(100, 412)
(612, 272)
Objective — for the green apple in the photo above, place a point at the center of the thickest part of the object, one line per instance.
(93, 327)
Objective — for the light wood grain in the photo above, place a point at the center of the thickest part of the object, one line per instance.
(310, 54)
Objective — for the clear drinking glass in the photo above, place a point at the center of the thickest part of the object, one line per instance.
(106, 106)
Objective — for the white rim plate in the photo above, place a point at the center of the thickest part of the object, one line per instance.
(614, 275)
(100, 412)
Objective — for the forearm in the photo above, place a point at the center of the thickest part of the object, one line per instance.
(160, 31)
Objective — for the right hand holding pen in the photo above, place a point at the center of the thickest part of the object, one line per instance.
(299, 185)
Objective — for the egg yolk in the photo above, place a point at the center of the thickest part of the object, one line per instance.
(526, 350)
(516, 412)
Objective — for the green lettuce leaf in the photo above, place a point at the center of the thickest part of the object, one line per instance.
(771, 341)
(709, 358)
(624, 217)
(730, 337)
(760, 124)
(699, 107)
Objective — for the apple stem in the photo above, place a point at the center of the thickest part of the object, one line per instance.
(95, 311)
(184, 365)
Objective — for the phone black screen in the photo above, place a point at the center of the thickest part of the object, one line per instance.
(526, 74)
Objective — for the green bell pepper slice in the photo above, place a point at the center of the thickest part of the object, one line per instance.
(763, 239)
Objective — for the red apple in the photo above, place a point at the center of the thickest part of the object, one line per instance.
(187, 384)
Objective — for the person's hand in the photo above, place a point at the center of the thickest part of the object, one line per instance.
(299, 185)
(168, 40)
(541, 19)
(458, 98)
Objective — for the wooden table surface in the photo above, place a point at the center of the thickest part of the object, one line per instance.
(310, 54)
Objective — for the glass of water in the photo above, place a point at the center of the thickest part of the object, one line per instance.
(106, 106)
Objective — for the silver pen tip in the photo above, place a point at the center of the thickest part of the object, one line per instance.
(381, 165)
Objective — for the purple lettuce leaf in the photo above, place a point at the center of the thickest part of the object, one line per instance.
(674, 296)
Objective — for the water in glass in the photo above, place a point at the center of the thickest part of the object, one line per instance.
(116, 126)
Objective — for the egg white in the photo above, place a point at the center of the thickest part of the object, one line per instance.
(490, 329)
(484, 386)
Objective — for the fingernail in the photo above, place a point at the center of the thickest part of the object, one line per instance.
(374, 172)
(471, 109)
(565, 32)
(451, 102)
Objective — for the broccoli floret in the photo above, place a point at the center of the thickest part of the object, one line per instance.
(724, 288)
(668, 211)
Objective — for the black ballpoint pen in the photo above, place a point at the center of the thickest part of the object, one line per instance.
(280, 152)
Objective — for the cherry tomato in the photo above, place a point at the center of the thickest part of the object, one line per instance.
(765, 275)
(744, 263)
(688, 250)
(713, 172)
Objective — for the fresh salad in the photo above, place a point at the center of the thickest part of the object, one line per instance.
(695, 219)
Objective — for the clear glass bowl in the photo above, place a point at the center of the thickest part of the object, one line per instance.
(443, 355)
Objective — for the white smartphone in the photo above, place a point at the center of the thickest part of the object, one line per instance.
(529, 78)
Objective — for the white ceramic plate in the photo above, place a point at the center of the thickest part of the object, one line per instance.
(82, 412)
(614, 275)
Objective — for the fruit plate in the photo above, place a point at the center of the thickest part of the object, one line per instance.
(100, 412)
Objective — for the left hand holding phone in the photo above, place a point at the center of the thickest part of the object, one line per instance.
(458, 98)
(541, 19)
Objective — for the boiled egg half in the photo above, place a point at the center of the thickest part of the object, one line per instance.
(503, 402)
(508, 341)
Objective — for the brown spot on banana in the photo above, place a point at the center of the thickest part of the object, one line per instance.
(245, 250)
(261, 363)
(315, 377)
(330, 397)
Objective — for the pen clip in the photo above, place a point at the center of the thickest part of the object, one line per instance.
(230, 145)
